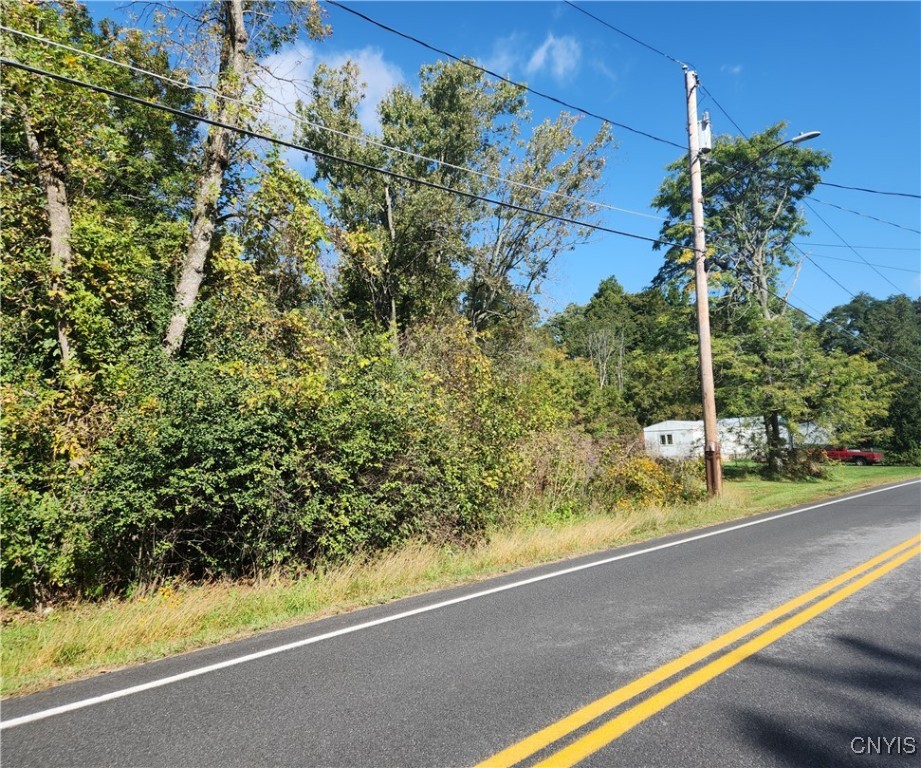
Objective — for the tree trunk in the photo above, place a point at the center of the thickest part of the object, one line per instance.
(210, 183)
(51, 176)
(775, 443)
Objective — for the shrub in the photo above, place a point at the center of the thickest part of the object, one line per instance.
(634, 479)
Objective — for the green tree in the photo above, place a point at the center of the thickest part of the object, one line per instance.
(227, 26)
(752, 188)
(553, 173)
(601, 331)
(885, 330)
(89, 219)
(410, 252)
(777, 368)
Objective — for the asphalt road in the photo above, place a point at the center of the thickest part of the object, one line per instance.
(469, 675)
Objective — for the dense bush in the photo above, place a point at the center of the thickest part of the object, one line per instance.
(206, 468)
(630, 477)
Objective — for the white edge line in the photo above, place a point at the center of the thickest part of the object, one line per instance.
(60, 710)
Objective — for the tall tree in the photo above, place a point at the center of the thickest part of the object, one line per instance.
(777, 368)
(752, 188)
(553, 173)
(229, 25)
(410, 251)
(602, 331)
(72, 153)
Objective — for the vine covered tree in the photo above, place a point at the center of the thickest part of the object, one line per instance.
(233, 36)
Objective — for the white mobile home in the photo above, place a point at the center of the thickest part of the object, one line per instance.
(739, 437)
(674, 439)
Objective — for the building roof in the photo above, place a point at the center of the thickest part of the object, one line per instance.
(673, 425)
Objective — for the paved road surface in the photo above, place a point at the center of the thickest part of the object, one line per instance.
(619, 659)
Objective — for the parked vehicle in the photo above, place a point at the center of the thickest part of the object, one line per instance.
(854, 456)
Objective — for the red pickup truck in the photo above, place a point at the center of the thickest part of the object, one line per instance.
(854, 456)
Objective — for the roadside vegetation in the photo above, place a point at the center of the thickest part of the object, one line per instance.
(80, 639)
(234, 397)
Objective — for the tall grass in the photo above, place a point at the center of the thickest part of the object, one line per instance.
(79, 640)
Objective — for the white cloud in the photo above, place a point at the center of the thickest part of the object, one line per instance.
(506, 54)
(605, 70)
(560, 54)
(379, 77)
(292, 76)
(733, 69)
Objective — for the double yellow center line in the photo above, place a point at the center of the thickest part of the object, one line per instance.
(838, 588)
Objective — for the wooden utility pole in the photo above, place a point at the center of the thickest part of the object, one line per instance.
(711, 437)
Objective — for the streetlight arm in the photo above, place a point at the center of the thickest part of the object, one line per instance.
(795, 140)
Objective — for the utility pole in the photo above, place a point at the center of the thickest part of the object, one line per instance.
(711, 437)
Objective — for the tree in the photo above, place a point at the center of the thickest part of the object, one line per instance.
(777, 368)
(410, 252)
(72, 153)
(601, 331)
(884, 330)
(515, 248)
(228, 25)
(751, 216)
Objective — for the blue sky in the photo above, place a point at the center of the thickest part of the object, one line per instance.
(851, 70)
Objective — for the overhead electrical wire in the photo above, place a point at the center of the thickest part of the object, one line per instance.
(866, 216)
(734, 171)
(720, 107)
(680, 63)
(325, 155)
(854, 261)
(291, 145)
(855, 252)
(827, 274)
(862, 247)
(850, 334)
(834, 231)
(473, 65)
(344, 134)
(872, 191)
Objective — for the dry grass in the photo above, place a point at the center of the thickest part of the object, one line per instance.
(79, 640)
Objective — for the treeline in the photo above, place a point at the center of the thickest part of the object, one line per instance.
(213, 367)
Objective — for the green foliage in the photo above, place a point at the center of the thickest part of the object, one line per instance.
(751, 190)
(413, 252)
(320, 414)
(885, 330)
(777, 369)
(123, 204)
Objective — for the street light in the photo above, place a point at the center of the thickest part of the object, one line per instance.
(712, 458)
(795, 140)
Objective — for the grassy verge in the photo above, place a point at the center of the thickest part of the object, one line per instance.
(79, 640)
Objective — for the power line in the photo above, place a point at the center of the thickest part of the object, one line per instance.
(366, 139)
(473, 65)
(383, 171)
(827, 274)
(686, 65)
(326, 155)
(784, 300)
(855, 252)
(866, 216)
(872, 191)
(854, 261)
(725, 113)
(835, 232)
(862, 247)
